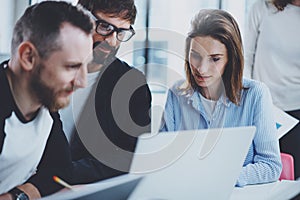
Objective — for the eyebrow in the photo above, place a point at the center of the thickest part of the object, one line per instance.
(212, 55)
(217, 54)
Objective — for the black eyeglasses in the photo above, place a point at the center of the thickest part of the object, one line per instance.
(105, 29)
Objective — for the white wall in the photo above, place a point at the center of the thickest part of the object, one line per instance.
(6, 12)
(10, 11)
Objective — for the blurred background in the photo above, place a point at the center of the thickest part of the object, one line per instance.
(158, 47)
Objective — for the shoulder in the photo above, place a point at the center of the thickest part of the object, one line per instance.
(6, 100)
(180, 90)
(120, 67)
(178, 87)
(262, 5)
(6, 103)
(253, 84)
(255, 88)
(119, 63)
(259, 9)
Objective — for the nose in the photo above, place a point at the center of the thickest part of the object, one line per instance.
(112, 39)
(81, 77)
(202, 66)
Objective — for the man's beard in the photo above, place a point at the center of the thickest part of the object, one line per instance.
(102, 58)
(46, 95)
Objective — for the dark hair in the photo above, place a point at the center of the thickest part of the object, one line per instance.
(281, 4)
(221, 26)
(41, 23)
(124, 9)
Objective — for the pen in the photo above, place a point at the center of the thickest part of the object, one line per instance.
(61, 182)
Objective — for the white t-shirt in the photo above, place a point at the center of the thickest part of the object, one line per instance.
(71, 113)
(21, 162)
(209, 106)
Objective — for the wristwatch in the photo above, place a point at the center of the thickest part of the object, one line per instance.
(18, 194)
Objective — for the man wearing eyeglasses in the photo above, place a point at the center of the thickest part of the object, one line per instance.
(116, 92)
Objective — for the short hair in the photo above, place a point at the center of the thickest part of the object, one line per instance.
(281, 4)
(124, 9)
(221, 26)
(40, 24)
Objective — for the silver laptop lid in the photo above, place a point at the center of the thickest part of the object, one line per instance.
(194, 164)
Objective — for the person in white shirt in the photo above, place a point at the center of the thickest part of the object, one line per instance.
(272, 56)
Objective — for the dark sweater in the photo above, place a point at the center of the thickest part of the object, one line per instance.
(125, 81)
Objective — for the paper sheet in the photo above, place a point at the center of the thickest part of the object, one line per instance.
(284, 122)
(280, 190)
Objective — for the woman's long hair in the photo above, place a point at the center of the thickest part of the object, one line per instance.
(221, 26)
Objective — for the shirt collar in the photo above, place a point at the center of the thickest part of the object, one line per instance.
(193, 97)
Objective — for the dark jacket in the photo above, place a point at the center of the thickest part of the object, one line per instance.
(131, 95)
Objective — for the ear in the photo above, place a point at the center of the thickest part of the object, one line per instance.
(28, 55)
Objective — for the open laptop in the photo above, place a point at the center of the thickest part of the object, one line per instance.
(117, 188)
(194, 164)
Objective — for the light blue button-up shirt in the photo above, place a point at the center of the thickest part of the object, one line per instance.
(262, 163)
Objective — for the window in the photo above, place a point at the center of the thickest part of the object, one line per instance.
(159, 50)
(10, 11)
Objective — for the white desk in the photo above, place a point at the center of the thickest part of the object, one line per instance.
(281, 190)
